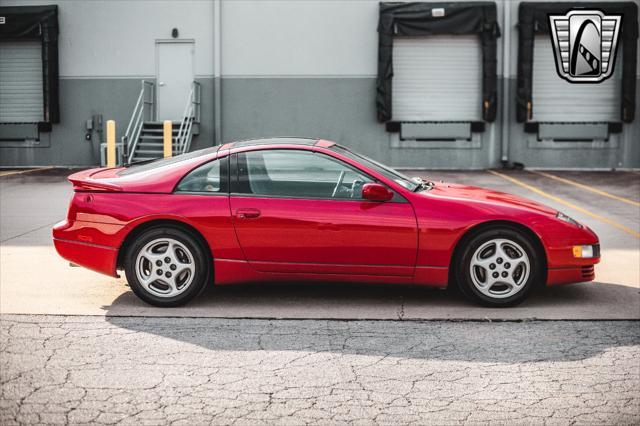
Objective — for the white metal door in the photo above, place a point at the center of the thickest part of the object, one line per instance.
(557, 100)
(21, 82)
(437, 78)
(174, 78)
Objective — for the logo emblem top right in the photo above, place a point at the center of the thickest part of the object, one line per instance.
(584, 43)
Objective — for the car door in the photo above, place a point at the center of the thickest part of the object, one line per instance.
(291, 214)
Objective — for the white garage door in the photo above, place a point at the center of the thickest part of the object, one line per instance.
(555, 99)
(21, 82)
(437, 78)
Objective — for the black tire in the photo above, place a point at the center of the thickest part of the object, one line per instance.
(463, 272)
(199, 257)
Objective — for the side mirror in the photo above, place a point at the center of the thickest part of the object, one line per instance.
(376, 192)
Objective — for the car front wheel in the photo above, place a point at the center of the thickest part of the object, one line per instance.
(166, 267)
(498, 267)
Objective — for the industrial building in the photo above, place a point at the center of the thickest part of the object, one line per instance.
(454, 85)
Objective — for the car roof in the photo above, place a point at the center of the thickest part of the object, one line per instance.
(276, 141)
(214, 150)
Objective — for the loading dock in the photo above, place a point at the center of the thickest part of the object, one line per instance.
(418, 84)
(566, 124)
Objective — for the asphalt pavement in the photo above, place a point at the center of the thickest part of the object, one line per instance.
(77, 347)
(35, 280)
(193, 371)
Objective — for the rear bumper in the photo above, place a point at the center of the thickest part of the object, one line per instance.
(97, 257)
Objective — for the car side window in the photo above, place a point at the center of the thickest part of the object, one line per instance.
(297, 173)
(207, 178)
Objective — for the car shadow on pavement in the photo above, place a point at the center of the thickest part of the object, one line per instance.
(350, 319)
(348, 301)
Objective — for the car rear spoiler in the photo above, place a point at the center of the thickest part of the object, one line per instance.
(82, 181)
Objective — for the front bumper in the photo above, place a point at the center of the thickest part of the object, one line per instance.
(571, 275)
(566, 268)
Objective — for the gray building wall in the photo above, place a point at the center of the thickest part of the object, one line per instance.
(106, 48)
(314, 73)
(304, 68)
(621, 151)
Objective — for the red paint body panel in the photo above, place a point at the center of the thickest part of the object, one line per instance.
(229, 271)
(570, 275)
(97, 258)
(160, 180)
(408, 240)
(114, 215)
(310, 235)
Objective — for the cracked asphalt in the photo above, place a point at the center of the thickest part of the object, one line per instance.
(126, 370)
(78, 348)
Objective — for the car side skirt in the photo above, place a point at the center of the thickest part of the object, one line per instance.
(232, 271)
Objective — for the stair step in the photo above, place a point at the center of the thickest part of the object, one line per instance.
(159, 130)
(152, 146)
(149, 147)
(153, 137)
(136, 159)
(147, 151)
(152, 142)
(156, 137)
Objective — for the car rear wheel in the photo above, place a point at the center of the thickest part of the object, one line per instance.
(498, 267)
(166, 267)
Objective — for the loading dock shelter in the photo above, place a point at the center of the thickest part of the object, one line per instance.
(413, 84)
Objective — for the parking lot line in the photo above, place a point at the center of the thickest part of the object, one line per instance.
(585, 187)
(20, 172)
(566, 203)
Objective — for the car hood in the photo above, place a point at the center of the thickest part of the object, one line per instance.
(485, 195)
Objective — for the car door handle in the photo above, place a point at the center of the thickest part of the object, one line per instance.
(247, 213)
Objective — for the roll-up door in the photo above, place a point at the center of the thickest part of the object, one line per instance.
(437, 78)
(556, 100)
(21, 82)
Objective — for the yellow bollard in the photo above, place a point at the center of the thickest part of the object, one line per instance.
(167, 138)
(111, 143)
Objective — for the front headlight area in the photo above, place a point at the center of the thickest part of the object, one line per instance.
(563, 217)
(586, 252)
(572, 237)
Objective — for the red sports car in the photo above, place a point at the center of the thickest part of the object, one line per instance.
(306, 209)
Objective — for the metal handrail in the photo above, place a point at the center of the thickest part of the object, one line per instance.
(191, 114)
(145, 109)
(197, 100)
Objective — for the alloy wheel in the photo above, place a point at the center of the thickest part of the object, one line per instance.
(165, 267)
(499, 268)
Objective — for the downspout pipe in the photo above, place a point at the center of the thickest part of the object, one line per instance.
(217, 72)
(506, 66)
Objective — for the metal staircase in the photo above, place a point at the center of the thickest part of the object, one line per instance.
(143, 139)
(150, 144)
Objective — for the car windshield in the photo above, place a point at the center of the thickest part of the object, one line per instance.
(144, 166)
(386, 171)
